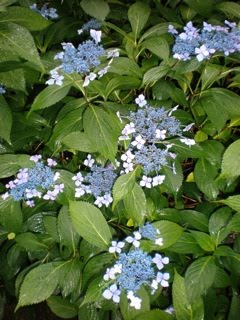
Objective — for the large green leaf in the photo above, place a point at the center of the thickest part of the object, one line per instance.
(5, 120)
(218, 224)
(233, 202)
(90, 223)
(103, 130)
(31, 242)
(40, 283)
(183, 309)
(204, 174)
(138, 15)
(204, 240)
(25, 17)
(123, 185)
(71, 281)
(195, 219)
(17, 39)
(158, 46)
(49, 96)
(200, 274)
(173, 180)
(230, 161)
(78, 141)
(135, 205)
(229, 8)
(11, 217)
(154, 74)
(62, 307)
(10, 163)
(169, 231)
(125, 66)
(98, 9)
(153, 315)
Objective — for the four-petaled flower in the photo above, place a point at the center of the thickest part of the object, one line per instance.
(112, 293)
(116, 247)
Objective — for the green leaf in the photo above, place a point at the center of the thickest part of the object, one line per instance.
(49, 96)
(98, 9)
(229, 8)
(31, 242)
(186, 244)
(62, 307)
(90, 223)
(15, 38)
(233, 202)
(230, 161)
(125, 66)
(235, 306)
(153, 315)
(154, 74)
(94, 291)
(135, 205)
(218, 223)
(11, 217)
(195, 219)
(71, 281)
(183, 309)
(173, 180)
(204, 240)
(185, 151)
(50, 225)
(123, 185)
(103, 130)
(210, 74)
(169, 231)
(204, 174)
(202, 7)
(224, 251)
(25, 17)
(11, 163)
(78, 141)
(67, 235)
(200, 274)
(158, 46)
(157, 30)
(5, 120)
(122, 83)
(138, 15)
(40, 283)
(69, 187)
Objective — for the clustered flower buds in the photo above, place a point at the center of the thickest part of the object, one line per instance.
(45, 11)
(38, 181)
(149, 132)
(135, 268)
(203, 43)
(83, 59)
(98, 182)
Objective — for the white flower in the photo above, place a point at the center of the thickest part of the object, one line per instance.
(138, 142)
(55, 78)
(134, 301)
(141, 101)
(116, 247)
(172, 30)
(203, 52)
(96, 35)
(128, 167)
(80, 31)
(89, 78)
(89, 161)
(30, 203)
(59, 56)
(110, 274)
(99, 202)
(51, 162)
(128, 129)
(36, 158)
(188, 127)
(31, 193)
(79, 192)
(146, 182)
(230, 24)
(56, 176)
(113, 53)
(127, 156)
(158, 180)
(163, 278)
(159, 241)
(5, 195)
(10, 185)
(112, 293)
(159, 261)
(50, 195)
(22, 176)
(78, 178)
(134, 240)
(103, 71)
(161, 134)
(188, 142)
(58, 188)
(107, 199)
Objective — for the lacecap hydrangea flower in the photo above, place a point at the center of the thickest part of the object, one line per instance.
(2, 89)
(135, 268)
(202, 43)
(84, 58)
(45, 11)
(149, 131)
(98, 182)
(38, 181)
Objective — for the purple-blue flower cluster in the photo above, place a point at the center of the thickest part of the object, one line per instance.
(36, 182)
(203, 43)
(45, 11)
(135, 268)
(150, 131)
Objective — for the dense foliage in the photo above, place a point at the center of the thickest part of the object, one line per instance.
(119, 158)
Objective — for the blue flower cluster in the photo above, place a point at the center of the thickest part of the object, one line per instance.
(2, 89)
(203, 43)
(135, 268)
(98, 182)
(149, 131)
(45, 11)
(36, 182)
(91, 24)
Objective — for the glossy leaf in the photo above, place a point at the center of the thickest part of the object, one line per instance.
(138, 15)
(62, 307)
(5, 120)
(230, 161)
(98, 9)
